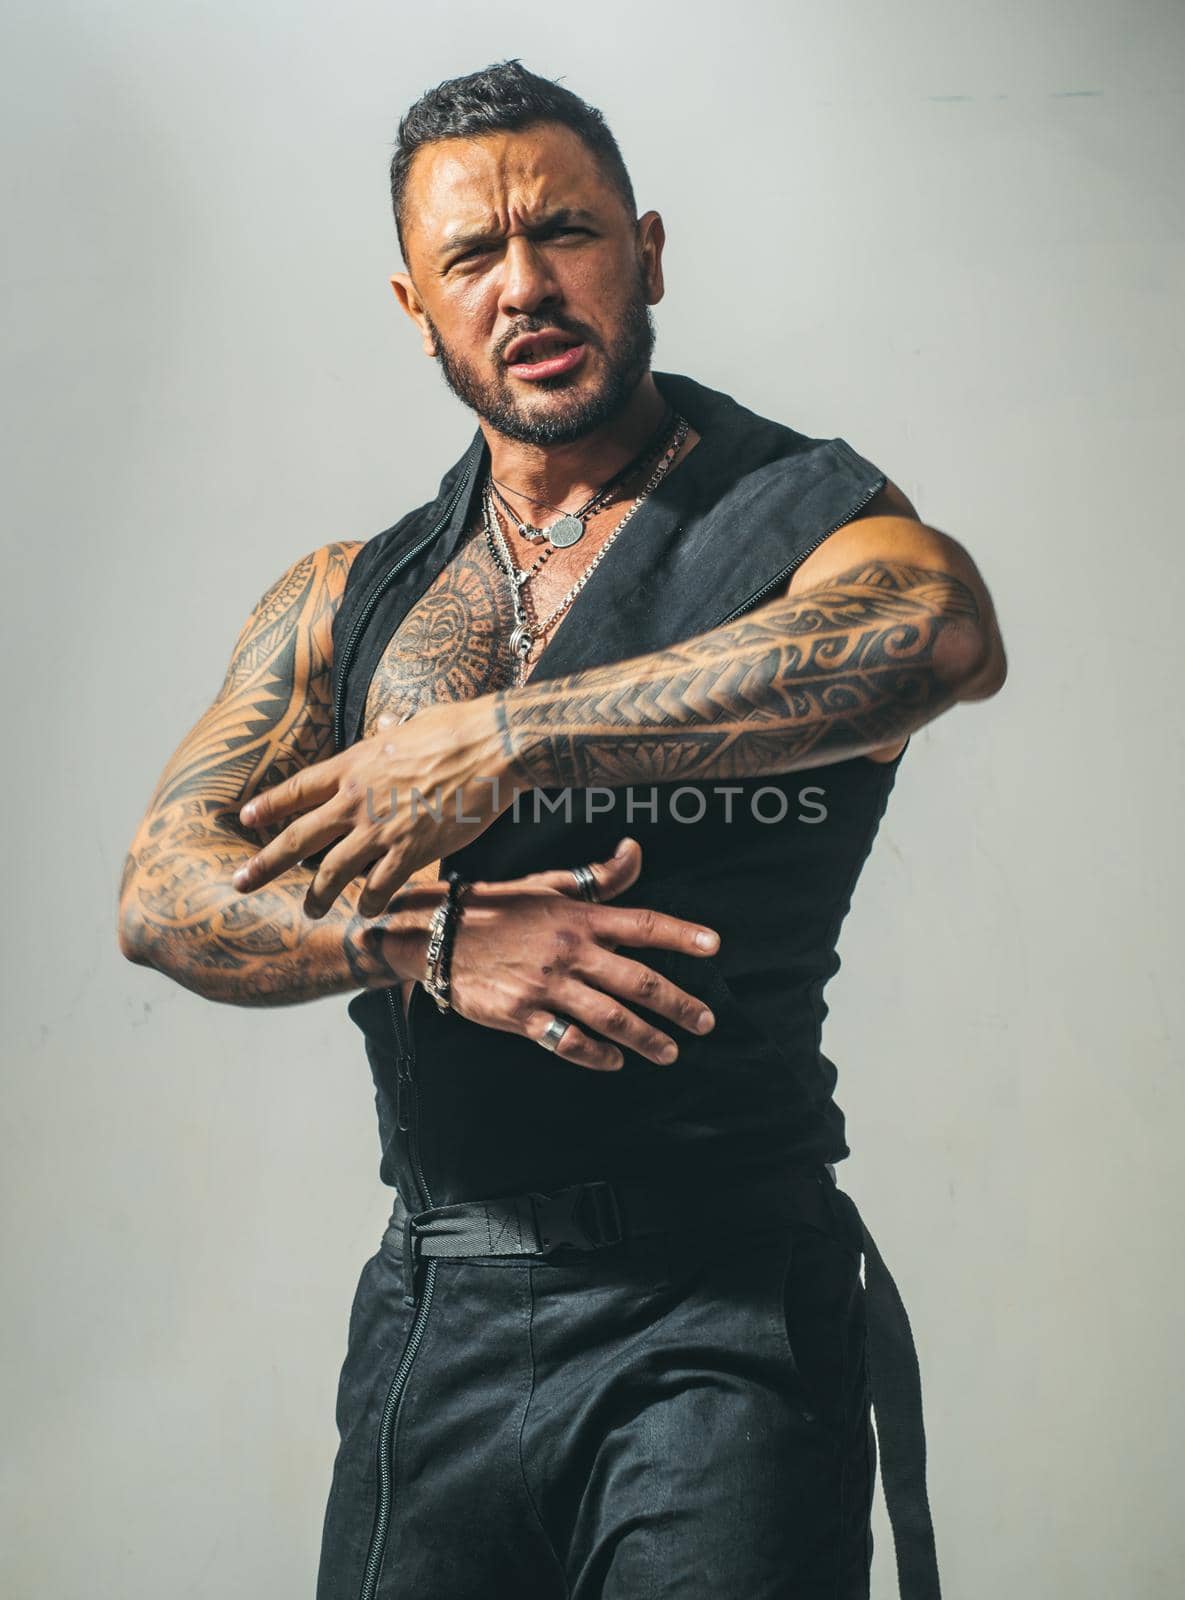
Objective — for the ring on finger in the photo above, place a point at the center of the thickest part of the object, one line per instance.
(554, 1032)
(586, 883)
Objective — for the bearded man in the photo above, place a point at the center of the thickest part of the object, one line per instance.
(568, 777)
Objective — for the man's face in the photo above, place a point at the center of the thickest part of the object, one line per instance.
(521, 233)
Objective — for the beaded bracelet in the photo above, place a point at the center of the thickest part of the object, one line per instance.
(450, 934)
(442, 931)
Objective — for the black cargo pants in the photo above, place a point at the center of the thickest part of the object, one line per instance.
(685, 1416)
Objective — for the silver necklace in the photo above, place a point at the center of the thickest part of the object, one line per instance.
(527, 633)
(569, 529)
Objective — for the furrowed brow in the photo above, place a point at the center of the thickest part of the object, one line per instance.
(455, 243)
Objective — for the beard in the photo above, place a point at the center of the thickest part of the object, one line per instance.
(573, 416)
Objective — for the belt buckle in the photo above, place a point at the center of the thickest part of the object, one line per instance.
(586, 1215)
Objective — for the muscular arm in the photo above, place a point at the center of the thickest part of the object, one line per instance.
(883, 627)
(898, 629)
(178, 909)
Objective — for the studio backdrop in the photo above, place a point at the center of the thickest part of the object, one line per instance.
(949, 234)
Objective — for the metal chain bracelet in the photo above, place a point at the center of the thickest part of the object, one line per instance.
(442, 932)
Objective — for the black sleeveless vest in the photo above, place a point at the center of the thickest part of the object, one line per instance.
(467, 1112)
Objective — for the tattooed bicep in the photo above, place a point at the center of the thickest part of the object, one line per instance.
(301, 602)
(272, 714)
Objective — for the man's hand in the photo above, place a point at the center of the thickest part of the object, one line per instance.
(529, 949)
(411, 794)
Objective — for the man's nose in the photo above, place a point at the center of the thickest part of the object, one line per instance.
(527, 279)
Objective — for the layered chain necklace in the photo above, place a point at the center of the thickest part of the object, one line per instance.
(528, 630)
(569, 529)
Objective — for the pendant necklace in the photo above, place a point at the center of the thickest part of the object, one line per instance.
(569, 529)
(528, 630)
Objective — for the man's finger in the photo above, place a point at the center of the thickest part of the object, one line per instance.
(299, 839)
(386, 876)
(640, 985)
(619, 871)
(349, 859)
(625, 925)
(576, 1045)
(612, 875)
(309, 787)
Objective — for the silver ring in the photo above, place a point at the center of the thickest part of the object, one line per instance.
(554, 1032)
(586, 883)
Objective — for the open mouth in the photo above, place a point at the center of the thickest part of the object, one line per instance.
(546, 356)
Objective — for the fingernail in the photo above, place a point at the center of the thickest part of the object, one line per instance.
(704, 1021)
(247, 814)
(240, 878)
(706, 941)
(668, 1053)
(622, 847)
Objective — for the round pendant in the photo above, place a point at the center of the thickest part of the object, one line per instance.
(568, 530)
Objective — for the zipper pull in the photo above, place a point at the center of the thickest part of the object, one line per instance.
(411, 1267)
(402, 1095)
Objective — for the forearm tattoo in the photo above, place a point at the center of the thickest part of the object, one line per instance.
(812, 678)
(179, 910)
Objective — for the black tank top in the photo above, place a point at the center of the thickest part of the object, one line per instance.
(467, 1112)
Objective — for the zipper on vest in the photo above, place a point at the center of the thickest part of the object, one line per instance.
(406, 1094)
(402, 1053)
(407, 1117)
(799, 559)
(376, 594)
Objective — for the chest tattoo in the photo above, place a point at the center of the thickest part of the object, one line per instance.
(452, 645)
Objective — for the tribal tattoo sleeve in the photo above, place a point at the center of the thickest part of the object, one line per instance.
(179, 911)
(809, 679)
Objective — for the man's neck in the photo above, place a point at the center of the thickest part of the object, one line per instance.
(564, 472)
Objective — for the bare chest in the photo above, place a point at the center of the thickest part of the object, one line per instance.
(454, 643)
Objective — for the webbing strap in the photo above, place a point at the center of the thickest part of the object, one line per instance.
(896, 1385)
(589, 1216)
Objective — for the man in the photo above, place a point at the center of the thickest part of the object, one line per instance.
(613, 1342)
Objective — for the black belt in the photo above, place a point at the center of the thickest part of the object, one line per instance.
(593, 1216)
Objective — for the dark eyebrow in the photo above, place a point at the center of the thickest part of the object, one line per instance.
(456, 242)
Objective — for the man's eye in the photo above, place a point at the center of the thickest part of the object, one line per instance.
(484, 250)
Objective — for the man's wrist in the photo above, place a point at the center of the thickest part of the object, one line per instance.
(485, 733)
(382, 951)
(520, 760)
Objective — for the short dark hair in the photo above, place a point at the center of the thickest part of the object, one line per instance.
(500, 98)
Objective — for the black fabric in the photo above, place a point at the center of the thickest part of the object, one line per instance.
(897, 1396)
(678, 1417)
(491, 1113)
(594, 1215)
(599, 1216)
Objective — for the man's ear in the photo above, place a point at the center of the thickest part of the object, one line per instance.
(405, 293)
(651, 236)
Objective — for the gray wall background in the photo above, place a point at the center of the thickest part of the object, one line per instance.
(951, 234)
